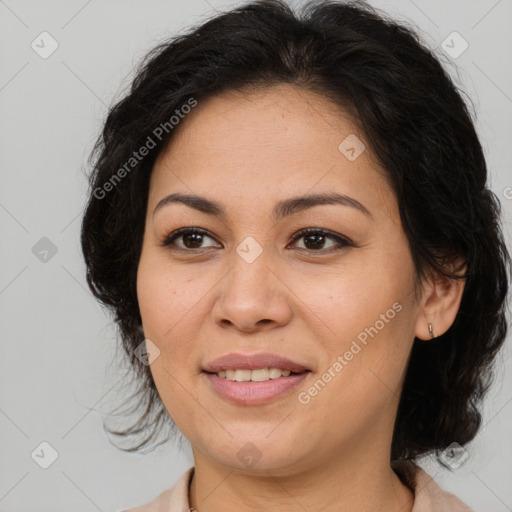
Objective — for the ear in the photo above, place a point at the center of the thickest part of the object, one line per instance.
(439, 305)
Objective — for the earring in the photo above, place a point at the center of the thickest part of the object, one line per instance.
(430, 331)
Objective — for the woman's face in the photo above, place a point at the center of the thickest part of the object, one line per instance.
(248, 285)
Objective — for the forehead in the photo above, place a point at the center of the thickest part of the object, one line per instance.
(276, 116)
(280, 138)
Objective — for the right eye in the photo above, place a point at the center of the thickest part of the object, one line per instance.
(191, 239)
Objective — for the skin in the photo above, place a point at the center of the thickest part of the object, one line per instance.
(299, 298)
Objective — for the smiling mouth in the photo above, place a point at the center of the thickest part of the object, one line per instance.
(238, 386)
(256, 375)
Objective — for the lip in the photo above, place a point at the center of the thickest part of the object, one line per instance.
(240, 361)
(254, 393)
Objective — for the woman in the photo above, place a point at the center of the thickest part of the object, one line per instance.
(290, 222)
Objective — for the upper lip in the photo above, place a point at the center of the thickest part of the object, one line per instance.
(240, 361)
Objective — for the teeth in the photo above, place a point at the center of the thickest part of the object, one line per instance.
(274, 373)
(259, 375)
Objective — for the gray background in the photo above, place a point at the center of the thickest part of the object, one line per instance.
(57, 375)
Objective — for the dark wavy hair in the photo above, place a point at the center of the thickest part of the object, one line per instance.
(417, 125)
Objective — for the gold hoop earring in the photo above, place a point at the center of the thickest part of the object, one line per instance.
(430, 331)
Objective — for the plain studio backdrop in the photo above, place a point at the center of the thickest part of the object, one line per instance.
(62, 65)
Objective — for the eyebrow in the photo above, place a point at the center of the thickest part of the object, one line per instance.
(282, 208)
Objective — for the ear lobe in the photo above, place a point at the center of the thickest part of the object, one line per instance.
(441, 302)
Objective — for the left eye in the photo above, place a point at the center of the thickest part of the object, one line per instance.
(317, 238)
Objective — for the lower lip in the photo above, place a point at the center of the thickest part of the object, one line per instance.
(254, 393)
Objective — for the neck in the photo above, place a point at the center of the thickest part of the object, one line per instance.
(345, 482)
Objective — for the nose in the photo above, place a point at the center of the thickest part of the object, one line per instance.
(252, 296)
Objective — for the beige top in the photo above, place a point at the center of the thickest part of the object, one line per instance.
(428, 496)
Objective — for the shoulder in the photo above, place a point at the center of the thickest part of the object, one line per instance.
(428, 496)
(174, 499)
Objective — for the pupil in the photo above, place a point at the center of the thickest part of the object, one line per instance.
(197, 241)
(318, 243)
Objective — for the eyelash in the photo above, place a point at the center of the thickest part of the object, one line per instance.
(342, 241)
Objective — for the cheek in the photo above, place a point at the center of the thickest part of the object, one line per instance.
(355, 298)
(167, 294)
(172, 305)
(167, 316)
(368, 318)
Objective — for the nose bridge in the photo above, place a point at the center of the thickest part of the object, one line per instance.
(251, 267)
(251, 291)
